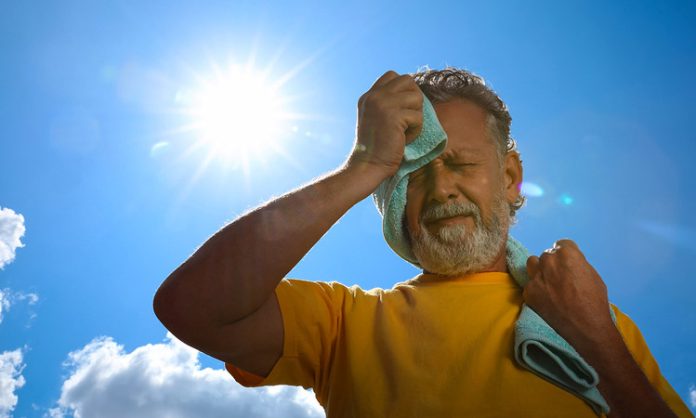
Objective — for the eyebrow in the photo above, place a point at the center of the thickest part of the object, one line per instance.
(462, 152)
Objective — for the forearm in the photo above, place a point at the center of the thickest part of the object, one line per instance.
(622, 383)
(238, 268)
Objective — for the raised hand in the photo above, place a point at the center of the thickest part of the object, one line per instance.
(390, 115)
(568, 293)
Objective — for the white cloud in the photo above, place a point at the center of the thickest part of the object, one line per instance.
(11, 379)
(692, 395)
(31, 298)
(9, 298)
(4, 302)
(166, 380)
(11, 231)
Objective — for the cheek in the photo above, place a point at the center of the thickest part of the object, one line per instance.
(483, 192)
(413, 229)
(487, 179)
(412, 214)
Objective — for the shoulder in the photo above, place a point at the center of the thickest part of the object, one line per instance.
(628, 329)
(635, 342)
(323, 286)
(332, 292)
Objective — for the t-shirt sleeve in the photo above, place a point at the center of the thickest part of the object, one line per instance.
(641, 354)
(311, 319)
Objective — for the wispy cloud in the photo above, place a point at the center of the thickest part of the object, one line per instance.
(11, 362)
(4, 303)
(9, 298)
(11, 379)
(11, 231)
(166, 380)
(692, 395)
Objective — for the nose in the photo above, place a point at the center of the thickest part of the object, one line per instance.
(443, 187)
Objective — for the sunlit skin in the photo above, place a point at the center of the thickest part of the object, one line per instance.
(468, 170)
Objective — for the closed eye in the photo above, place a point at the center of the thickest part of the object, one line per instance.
(461, 165)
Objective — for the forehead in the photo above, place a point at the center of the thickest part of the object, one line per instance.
(466, 126)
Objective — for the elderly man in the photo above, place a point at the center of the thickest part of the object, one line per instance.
(440, 344)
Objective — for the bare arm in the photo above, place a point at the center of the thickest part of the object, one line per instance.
(221, 300)
(571, 296)
(235, 271)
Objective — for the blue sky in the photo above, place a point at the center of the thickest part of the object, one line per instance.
(114, 191)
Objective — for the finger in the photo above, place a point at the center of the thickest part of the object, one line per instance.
(401, 100)
(414, 119)
(410, 99)
(555, 247)
(408, 95)
(568, 250)
(384, 79)
(532, 266)
(401, 83)
(548, 261)
(566, 243)
(412, 133)
(545, 255)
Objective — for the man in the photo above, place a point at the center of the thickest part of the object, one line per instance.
(437, 345)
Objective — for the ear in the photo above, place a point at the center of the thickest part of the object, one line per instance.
(512, 172)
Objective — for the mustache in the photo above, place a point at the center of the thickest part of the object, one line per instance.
(448, 210)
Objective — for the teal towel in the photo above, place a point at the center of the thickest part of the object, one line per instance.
(390, 195)
(537, 346)
(540, 349)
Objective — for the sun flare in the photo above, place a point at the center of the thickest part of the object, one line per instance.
(238, 115)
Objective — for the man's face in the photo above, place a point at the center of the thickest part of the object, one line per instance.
(457, 207)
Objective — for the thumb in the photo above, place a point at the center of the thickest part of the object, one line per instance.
(412, 133)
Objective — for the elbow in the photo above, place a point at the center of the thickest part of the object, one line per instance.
(167, 306)
(161, 306)
(167, 311)
(180, 314)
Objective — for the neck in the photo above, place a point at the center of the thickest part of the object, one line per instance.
(500, 263)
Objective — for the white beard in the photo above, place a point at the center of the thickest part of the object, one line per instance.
(454, 250)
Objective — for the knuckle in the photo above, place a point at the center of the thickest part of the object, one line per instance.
(566, 243)
(406, 77)
(371, 101)
(362, 98)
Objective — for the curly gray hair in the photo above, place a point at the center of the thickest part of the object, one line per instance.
(454, 83)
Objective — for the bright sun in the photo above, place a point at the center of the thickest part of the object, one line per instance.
(237, 115)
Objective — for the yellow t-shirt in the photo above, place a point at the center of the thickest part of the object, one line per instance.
(425, 348)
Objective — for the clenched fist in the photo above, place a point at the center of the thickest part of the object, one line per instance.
(390, 115)
(568, 293)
